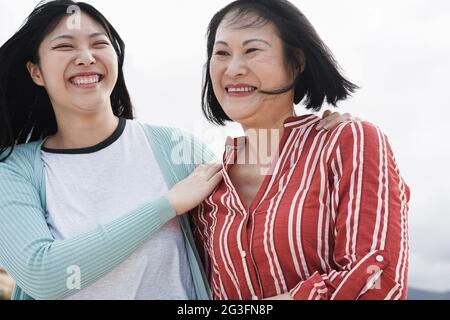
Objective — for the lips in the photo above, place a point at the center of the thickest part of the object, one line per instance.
(240, 88)
(86, 79)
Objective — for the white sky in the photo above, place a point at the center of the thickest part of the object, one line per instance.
(398, 51)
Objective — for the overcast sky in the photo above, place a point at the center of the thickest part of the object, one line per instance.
(397, 51)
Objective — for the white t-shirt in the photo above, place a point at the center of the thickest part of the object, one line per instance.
(89, 187)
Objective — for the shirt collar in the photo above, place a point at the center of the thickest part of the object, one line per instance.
(301, 121)
(289, 123)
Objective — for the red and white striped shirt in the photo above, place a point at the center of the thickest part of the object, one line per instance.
(329, 223)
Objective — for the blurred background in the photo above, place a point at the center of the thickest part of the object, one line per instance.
(397, 51)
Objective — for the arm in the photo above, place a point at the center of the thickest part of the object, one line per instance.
(40, 265)
(369, 203)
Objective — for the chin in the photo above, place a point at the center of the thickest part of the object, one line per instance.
(240, 112)
(89, 107)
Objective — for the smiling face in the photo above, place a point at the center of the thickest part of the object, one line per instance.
(246, 61)
(78, 67)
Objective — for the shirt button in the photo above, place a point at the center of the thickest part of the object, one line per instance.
(379, 258)
(243, 254)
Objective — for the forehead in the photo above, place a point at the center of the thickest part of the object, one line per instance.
(73, 24)
(238, 26)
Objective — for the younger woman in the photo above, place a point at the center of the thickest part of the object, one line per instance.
(88, 195)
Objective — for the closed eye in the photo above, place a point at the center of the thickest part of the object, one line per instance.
(101, 43)
(63, 46)
(221, 53)
(251, 50)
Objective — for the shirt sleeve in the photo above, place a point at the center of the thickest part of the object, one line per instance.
(369, 204)
(44, 267)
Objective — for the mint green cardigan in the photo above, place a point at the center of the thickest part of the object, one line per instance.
(39, 264)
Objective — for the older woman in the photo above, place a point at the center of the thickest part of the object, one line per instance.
(326, 217)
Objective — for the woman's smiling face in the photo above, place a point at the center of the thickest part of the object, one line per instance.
(244, 62)
(77, 66)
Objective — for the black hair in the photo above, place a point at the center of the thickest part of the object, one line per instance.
(26, 113)
(321, 77)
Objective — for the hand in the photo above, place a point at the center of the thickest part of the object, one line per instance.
(331, 120)
(190, 192)
(6, 286)
(285, 296)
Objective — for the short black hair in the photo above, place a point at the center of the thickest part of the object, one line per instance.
(321, 77)
(26, 113)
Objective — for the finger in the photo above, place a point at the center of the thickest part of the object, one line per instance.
(332, 124)
(331, 119)
(347, 117)
(326, 114)
(206, 166)
(199, 171)
(334, 116)
(215, 179)
(213, 169)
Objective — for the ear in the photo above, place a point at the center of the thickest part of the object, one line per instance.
(35, 73)
(301, 62)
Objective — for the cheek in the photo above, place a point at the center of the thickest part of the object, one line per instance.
(216, 72)
(271, 70)
(110, 63)
(110, 60)
(53, 74)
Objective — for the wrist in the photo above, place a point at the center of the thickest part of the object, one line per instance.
(172, 198)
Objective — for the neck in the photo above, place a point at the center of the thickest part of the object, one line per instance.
(82, 131)
(262, 140)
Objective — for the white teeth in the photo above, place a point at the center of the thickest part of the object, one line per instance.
(248, 89)
(85, 80)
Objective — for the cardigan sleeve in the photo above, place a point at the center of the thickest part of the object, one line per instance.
(369, 205)
(44, 267)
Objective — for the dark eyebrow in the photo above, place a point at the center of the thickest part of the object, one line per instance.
(67, 36)
(98, 34)
(222, 42)
(257, 40)
(246, 42)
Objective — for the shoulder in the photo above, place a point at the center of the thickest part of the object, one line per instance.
(363, 133)
(173, 139)
(355, 138)
(165, 134)
(20, 162)
(22, 156)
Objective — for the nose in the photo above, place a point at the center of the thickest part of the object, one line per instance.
(85, 58)
(237, 67)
